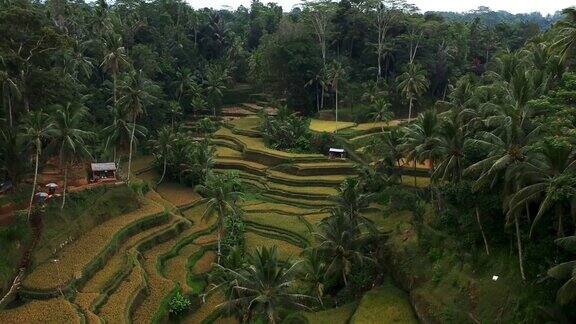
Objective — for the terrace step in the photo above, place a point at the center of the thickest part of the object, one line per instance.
(279, 208)
(81, 258)
(288, 223)
(117, 308)
(301, 180)
(302, 192)
(278, 233)
(334, 167)
(297, 202)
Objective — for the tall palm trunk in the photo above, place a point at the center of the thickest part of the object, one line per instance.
(65, 185)
(10, 111)
(482, 231)
(410, 110)
(35, 181)
(163, 172)
(519, 245)
(114, 95)
(336, 107)
(322, 100)
(219, 241)
(131, 145)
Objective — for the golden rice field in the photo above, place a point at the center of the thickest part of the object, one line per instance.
(53, 311)
(204, 264)
(329, 126)
(176, 268)
(74, 257)
(285, 250)
(290, 223)
(114, 308)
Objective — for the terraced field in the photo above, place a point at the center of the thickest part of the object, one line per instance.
(126, 269)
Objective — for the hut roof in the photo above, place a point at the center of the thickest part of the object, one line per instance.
(336, 150)
(107, 166)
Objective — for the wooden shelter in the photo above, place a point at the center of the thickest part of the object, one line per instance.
(102, 171)
(336, 153)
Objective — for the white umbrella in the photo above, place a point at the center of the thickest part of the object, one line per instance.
(52, 185)
(42, 194)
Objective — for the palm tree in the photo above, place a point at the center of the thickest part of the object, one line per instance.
(313, 270)
(10, 92)
(421, 141)
(69, 138)
(217, 78)
(340, 241)
(183, 82)
(336, 73)
(566, 43)
(382, 113)
(352, 200)
(549, 172)
(117, 134)
(412, 83)
(162, 147)
(174, 111)
(263, 287)
(114, 60)
(36, 129)
(450, 149)
(136, 95)
(198, 104)
(222, 197)
(508, 146)
(12, 154)
(566, 271)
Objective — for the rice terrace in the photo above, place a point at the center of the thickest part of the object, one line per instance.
(302, 162)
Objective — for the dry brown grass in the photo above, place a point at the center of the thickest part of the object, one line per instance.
(227, 153)
(206, 309)
(76, 255)
(56, 310)
(84, 301)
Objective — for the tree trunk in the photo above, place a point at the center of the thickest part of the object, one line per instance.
(163, 172)
(219, 244)
(415, 177)
(65, 185)
(114, 96)
(560, 221)
(322, 100)
(10, 111)
(131, 145)
(336, 107)
(410, 110)
(482, 231)
(519, 245)
(35, 181)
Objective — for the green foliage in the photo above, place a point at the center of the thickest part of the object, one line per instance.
(188, 161)
(287, 131)
(234, 230)
(179, 305)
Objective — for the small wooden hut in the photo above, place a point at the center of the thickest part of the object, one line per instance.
(334, 153)
(102, 172)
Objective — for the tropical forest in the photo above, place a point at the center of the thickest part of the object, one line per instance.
(335, 161)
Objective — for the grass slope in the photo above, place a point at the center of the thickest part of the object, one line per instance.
(385, 304)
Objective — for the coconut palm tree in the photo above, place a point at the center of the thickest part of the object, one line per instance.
(217, 79)
(412, 84)
(136, 95)
(450, 149)
(37, 128)
(264, 287)
(508, 145)
(117, 134)
(421, 140)
(550, 174)
(336, 74)
(223, 197)
(382, 114)
(114, 60)
(566, 271)
(352, 200)
(69, 139)
(566, 42)
(340, 240)
(162, 146)
(313, 271)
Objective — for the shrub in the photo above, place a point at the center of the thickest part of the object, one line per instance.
(287, 131)
(139, 187)
(179, 305)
